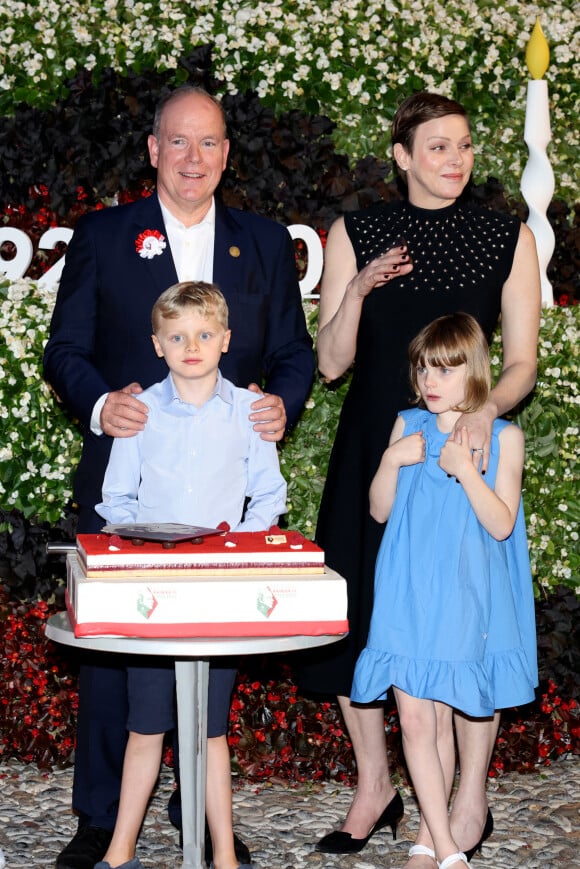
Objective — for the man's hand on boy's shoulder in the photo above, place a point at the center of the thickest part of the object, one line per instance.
(268, 414)
(123, 415)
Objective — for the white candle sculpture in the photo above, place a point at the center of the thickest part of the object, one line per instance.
(537, 184)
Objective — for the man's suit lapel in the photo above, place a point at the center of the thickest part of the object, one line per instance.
(229, 252)
(228, 246)
(148, 215)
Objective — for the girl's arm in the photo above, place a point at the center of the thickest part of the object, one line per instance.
(495, 509)
(342, 293)
(401, 451)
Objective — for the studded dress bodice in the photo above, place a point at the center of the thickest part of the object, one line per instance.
(461, 256)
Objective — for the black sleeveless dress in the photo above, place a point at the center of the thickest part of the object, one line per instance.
(462, 256)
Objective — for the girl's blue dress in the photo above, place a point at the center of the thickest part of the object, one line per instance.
(453, 617)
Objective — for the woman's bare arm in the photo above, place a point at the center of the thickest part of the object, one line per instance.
(520, 323)
(342, 293)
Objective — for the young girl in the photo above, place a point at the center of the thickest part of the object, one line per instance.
(453, 619)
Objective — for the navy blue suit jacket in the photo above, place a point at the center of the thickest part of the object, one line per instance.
(100, 336)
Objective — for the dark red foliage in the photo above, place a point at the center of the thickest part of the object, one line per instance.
(275, 733)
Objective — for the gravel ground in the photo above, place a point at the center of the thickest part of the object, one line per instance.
(537, 822)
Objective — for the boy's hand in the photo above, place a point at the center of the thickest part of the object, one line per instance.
(122, 415)
(409, 450)
(269, 414)
(457, 456)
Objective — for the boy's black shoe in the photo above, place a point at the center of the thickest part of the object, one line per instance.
(87, 847)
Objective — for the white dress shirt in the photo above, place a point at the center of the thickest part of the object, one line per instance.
(191, 246)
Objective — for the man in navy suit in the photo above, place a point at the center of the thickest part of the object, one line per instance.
(99, 357)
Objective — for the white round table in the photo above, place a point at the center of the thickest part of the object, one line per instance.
(191, 676)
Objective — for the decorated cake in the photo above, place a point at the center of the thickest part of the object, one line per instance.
(231, 603)
(185, 581)
(216, 553)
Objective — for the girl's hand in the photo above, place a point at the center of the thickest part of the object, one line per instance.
(456, 456)
(478, 426)
(389, 265)
(409, 450)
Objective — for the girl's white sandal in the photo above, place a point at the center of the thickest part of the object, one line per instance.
(423, 850)
(459, 857)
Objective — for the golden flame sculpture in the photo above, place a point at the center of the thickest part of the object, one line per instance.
(537, 52)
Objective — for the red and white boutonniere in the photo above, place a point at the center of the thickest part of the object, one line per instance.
(150, 243)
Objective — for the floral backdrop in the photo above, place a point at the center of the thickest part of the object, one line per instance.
(353, 60)
(309, 89)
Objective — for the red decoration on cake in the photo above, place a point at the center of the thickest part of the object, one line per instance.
(252, 553)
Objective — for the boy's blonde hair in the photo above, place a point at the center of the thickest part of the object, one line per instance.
(206, 299)
(451, 340)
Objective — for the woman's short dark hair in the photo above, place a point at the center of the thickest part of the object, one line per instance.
(449, 341)
(416, 110)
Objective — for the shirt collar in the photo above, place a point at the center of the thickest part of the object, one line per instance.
(223, 389)
(172, 222)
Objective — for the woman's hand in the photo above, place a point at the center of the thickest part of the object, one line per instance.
(384, 268)
(457, 454)
(478, 427)
(342, 294)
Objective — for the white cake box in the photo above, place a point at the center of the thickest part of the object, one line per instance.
(206, 606)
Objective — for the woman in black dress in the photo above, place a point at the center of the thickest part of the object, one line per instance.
(389, 270)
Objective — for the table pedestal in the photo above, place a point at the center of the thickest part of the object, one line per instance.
(191, 678)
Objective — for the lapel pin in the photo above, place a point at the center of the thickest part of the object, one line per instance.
(150, 243)
(234, 251)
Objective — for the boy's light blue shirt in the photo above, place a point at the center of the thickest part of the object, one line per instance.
(195, 465)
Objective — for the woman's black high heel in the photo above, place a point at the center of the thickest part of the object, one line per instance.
(487, 831)
(338, 842)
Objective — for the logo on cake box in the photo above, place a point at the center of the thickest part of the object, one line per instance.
(146, 603)
(267, 602)
(149, 599)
